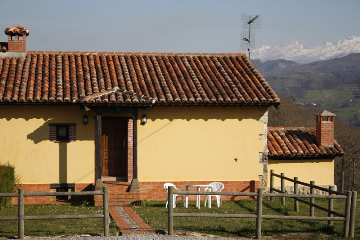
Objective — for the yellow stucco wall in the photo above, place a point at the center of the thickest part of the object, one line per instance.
(24, 143)
(178, 144)
(319, 170)
(200, 144)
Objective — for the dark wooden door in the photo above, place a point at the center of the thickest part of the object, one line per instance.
(114, 147)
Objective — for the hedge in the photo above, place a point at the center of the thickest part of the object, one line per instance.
(7, 182)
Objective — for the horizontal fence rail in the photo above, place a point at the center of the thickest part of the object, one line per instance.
(21, 217)
(350, 206)
(87, 193)
(307, 184)
(258, 216)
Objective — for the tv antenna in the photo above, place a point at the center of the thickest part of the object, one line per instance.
(249, 22)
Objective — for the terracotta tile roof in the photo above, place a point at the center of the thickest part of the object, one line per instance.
(17, 30)
(165, 78)
(298, 143)
(3, 46)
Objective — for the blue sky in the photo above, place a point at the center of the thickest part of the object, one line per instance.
(177, 26)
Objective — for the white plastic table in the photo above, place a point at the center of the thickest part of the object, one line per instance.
(198, 186)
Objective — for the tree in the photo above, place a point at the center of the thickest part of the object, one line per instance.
(345, 166)
(289, 114)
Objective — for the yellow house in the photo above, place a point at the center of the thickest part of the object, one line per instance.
(71, 121)
(306, 153)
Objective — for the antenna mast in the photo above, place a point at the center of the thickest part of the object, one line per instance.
(248, 37)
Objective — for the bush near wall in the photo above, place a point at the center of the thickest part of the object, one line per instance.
(7, 182)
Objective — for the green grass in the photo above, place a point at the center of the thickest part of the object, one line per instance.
(44, 228)
(154, 213)
(337, 99)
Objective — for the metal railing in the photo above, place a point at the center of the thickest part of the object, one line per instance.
(348, 217)
(21, 217)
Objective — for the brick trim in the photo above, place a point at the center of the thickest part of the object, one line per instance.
(130, 154)
(96, 149)
(46, 187)
(156, 191)
(130, 150)
(53, 132)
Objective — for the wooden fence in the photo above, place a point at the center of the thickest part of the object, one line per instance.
(348, 217)
(296, 182)
(351, 204)
(21, 217)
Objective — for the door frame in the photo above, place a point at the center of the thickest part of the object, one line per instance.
(125, 124)
(132, 173)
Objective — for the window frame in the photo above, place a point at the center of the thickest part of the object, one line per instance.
(70, 135)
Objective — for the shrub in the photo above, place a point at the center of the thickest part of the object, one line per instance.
(7, 182)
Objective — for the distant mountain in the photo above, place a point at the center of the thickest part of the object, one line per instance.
(333, 84)
(350, 62)
(299, 53)
(274, 67)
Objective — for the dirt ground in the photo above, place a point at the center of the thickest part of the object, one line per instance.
(280, 236)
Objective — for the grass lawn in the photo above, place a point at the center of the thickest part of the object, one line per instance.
(343, 101)
(91, 226)
(154, 214)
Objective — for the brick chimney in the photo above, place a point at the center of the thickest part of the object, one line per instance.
(325, 129)
(17, 38)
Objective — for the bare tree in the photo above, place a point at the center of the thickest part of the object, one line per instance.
(345, 166)
(289, 114)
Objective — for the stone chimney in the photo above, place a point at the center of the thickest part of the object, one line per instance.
(17, 38)
(325, 129)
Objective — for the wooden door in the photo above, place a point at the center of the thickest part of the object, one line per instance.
(114, 147)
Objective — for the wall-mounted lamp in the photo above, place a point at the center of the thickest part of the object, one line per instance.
(143, 119)
(85, 119)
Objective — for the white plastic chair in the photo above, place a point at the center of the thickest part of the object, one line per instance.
(215, 187)
(175, 195)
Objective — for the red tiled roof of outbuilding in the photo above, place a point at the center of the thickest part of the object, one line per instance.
(298, 142)
(165, 78)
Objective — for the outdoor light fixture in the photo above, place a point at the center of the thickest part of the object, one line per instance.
(143, 119)
(85, 119)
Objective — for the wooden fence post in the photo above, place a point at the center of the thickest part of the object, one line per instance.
(271, 183)
(106, 211)
(331, 205)
(312, 200)
(296, 191)
(353, 214)
(21, 214)
(347, 214)
(259, 213)
(170, 211)
(282, 188)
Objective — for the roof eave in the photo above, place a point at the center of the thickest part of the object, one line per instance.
(139, 104)
(308, 157)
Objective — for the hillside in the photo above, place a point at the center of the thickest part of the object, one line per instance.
(281, 67)
(332, 84)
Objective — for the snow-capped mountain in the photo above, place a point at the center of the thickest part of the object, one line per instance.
(299, 53)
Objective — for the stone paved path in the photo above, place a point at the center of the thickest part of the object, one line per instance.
(128, 221)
